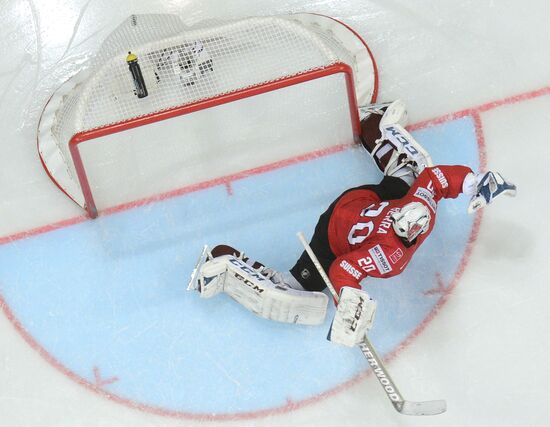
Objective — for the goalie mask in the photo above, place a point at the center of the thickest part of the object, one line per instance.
(412, 220)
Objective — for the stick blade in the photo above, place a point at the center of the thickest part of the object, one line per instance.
(432, 407)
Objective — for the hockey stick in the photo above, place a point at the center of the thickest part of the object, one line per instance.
(405, 407)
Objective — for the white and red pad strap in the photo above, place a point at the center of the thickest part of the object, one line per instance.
(256, 292)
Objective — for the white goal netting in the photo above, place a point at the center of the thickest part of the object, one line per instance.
(183, 67)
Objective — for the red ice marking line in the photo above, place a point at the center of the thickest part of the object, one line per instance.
(100, 382)
(290, 406)
(96, 388)
(226, 181)
(483, 108)
(480, 136)
(229, 179)
(229, 188)
(448, 290)
(44, 229)
(474, 112)
(440, 289)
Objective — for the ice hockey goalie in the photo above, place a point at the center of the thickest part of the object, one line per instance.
(368, 231)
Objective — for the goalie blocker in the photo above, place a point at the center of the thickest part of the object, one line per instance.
(354, 317)
(260, 295)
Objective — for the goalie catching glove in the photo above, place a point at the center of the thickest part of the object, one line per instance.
(261, 290)
(354, 317)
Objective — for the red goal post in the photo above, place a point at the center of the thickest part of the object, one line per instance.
(95, 126)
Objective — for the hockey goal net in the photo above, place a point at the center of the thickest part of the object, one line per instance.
(210, 89)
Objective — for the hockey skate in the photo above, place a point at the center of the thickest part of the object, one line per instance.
(394, 112)
(194, 284)
(209, 288)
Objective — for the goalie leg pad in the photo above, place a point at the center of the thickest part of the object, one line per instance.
(354, 317)
(404, 142)
(269, 300)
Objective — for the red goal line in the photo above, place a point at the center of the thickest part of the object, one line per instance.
(472, 112)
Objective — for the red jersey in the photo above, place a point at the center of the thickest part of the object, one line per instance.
(361, 233)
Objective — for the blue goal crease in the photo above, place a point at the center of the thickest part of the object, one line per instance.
(110, 293)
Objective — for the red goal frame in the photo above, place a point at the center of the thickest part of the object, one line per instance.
(336, 68)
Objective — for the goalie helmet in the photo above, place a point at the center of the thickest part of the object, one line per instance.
(412, 220)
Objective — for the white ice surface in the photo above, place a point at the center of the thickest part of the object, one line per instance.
(487, 354)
